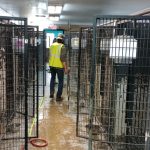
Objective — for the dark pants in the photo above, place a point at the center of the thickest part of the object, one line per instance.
(60, 75)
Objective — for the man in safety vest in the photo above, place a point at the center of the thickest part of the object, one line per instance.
(58, 65)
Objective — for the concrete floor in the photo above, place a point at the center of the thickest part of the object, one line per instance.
(58, 126)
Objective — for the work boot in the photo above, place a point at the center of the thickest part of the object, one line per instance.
(52, 95)
(59, 98)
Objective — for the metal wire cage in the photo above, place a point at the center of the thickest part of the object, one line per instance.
(73, 73)
(13, 83)
(84, 76)
(33, 80)
(41, 63)
(119, 104)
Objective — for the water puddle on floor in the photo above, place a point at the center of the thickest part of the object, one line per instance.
(58, 128)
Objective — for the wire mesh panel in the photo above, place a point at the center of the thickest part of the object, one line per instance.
(13, 87)
(85, 53)
(42, 63)
(33, 80)
(73, 73)
(120, 84)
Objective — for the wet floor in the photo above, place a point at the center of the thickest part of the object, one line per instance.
(58, 127)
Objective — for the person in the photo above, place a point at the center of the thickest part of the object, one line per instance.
(58, 66)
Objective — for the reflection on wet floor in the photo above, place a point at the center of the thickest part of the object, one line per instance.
(58, 127)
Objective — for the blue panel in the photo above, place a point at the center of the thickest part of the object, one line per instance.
(55, 32)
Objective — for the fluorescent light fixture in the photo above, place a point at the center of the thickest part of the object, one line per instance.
(54, 18)
(42, 5)
(40, 11)
(33, 10)
(38, 21)
(58, 9)
(54, 9)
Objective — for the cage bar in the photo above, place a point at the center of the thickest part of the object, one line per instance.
(120, 87)
(42, 57)
(72, 79)
(33, 80)
(13, 83)
(84, 76)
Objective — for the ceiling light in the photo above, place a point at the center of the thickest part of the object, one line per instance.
(42, 5)
(33, 10)
(54, 18)
(54, 9)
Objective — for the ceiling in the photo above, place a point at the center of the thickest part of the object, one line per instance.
(77, 11)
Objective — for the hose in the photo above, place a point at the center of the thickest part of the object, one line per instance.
(35, 142)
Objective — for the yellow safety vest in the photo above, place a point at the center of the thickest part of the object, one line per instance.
(55, 52)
